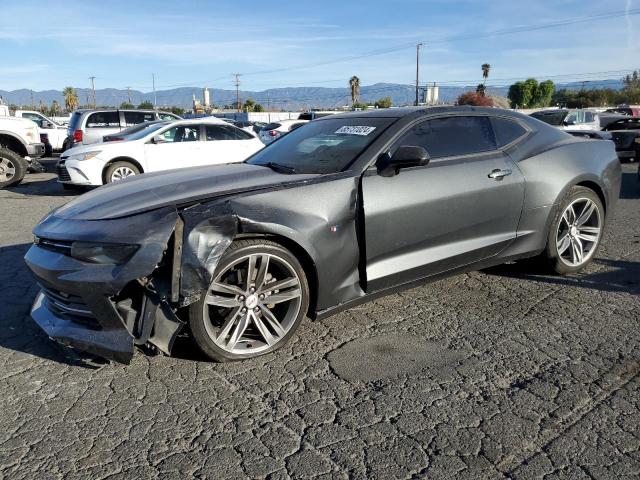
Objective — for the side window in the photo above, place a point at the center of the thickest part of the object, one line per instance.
(589, 117)
(451, 136)
(506, 131)
(33, 117)
(226, 132)
(167, 116)
(182, 133)
(134, 118)
(103, 120)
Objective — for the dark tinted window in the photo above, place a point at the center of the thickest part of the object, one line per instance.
(226, 132)
(74, 122)
(134, 118)
(451, 136)
(103, 120)
(295, 125)
(589, 117)
(552, 117)
(182, 133)
(506, 131)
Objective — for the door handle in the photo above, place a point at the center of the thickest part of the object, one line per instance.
(498, 174)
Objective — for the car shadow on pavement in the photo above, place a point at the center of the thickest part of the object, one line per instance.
(617, 276)
(42, 188)
(17, 331)
(630, 187)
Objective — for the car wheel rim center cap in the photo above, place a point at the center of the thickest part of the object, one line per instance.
(573, 231)
(251, 301)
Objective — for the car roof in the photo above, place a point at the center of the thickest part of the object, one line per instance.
(419, 111)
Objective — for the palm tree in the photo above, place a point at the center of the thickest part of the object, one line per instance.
(354, 85)
(70, 98)
(481, 89)
(485, 72)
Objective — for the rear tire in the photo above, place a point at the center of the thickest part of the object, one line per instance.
(119, 171)
(255, 303)
(13, 168)
(575, 232)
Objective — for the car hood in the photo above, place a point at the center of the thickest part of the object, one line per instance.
(173, 187)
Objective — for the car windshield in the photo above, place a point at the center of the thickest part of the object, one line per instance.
(554, 118)
(324, 146)
(154, 127)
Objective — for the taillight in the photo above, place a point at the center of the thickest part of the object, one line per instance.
(272, 133)
(77, 136)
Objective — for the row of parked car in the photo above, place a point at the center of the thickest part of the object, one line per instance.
(620, 125)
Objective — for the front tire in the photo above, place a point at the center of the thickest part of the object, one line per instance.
(575, 232)
(257, 300)
(13, 168)
(120, 170)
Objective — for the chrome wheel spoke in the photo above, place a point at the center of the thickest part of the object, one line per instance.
(262, 272)
(264, 331)
(238, 332)
(586, 236)
(251, 270)
(577, 251)
(228, 324)
(220, 301)
(280, 285)
(273, 321)
(586, 213)
(283, 296)
(226, 288)
(564, 243)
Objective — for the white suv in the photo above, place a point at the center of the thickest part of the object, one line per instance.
(275, 130)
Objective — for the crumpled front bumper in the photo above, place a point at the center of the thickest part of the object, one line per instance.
(114, 344)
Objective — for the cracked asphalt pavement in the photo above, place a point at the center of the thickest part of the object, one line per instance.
(505, 373)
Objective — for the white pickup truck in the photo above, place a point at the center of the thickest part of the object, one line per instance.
(20, 147)
(56, 132)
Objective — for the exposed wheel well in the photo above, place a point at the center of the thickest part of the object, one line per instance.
(303, 257)
(13, 144)
(120, 159)
(596, 188)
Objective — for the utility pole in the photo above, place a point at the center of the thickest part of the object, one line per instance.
(93, 88)
(33, 105)
(155, 99)
(417, 71)
(237, 82)
(129, 92)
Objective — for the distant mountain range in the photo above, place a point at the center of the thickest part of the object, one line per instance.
(292, 98)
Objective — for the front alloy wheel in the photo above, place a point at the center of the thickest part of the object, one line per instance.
(257, 299)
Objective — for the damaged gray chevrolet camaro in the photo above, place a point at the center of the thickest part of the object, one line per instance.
(341, 210)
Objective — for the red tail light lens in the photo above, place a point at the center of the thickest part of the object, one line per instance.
(77, 136)
(272, 133)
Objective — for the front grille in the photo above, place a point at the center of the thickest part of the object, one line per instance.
(59, 246)
(63, 173)
(69, 306)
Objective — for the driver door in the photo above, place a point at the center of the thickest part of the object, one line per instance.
(450, 213)
(180, 147)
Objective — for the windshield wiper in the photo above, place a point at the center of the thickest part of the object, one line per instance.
(279, 168)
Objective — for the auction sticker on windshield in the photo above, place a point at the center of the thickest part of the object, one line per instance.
(355, 130)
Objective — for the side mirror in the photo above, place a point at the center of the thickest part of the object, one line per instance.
(46, 124)
(158, 139)
(405, 156)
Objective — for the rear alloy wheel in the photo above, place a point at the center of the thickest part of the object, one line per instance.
(121, 170)
(576, 231)
(256, 301)
(12, 168)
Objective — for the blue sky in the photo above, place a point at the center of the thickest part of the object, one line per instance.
(48, 45)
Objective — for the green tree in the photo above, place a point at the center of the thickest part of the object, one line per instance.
(70, 99)
(485, 72)
(481, 89)
(543, 94)
(258, 108)
(147, 105)
(385, 102)
(127, 105)
(177, 110)
(54, 111)
(354, 86)
(359, 105)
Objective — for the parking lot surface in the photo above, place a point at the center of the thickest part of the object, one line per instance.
(506, 373)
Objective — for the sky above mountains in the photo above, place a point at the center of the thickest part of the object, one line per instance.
(303, 43)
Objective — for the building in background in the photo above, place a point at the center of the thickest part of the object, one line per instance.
(431, 94)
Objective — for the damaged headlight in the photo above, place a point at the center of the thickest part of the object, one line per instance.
(102, 252)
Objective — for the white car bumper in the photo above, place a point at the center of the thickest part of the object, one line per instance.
(80, 172)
